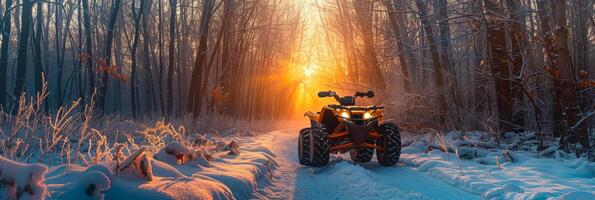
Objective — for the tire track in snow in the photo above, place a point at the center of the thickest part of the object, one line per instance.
(342, 179)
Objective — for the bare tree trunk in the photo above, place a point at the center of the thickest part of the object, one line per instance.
(172, 50)
(436, 64)
(59, 51)
(195, 96)
(363, 10)
(6, 28)
(498, 56)
(581, 43)
(89, 46)
(395, 25)
(104, 84)
(160, 74)
(23, 49)
(518, 42)
(446, 59)
(348, 44)
(37, 47)
(133, 74)
(568, 100)
(148, 73)
(550, 51)
(79, 66)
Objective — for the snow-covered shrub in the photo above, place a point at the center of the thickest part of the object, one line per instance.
(176, 153)
(161, 133)
(137, 164)
(201, 140)
(91, 185)
(236, 132)
(233, 147)
(21, 181)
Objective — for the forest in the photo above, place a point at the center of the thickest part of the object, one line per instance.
(94, 77)
(445, 65)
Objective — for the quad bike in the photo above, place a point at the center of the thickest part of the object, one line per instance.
(343, 127)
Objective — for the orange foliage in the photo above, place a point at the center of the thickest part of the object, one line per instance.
(112, 71)
(583, 74)
(219, 96)
(83, 57)
(586, 84)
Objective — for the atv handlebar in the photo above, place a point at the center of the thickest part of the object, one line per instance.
(347, 100)
(329, 93)
(368, 94)
(326, 94)
(357, 108)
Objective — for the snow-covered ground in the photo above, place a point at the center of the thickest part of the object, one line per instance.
(423, 174)
(342, 179)
(225, 176)
(266, 167)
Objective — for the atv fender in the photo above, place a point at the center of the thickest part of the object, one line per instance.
(314, 118)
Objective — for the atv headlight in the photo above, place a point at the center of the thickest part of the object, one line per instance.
(345, 114)
(368, 115)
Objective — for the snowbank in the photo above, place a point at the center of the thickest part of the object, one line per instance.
(496, 173)
(21, 181)
(176, 172)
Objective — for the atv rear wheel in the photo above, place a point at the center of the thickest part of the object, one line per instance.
(313, 147)
(389, 143)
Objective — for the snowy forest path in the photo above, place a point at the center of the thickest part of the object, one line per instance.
(343, 179)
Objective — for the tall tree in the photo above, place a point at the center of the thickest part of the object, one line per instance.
(172, 49)
(37, 47)
(516, 59)
(446, 59)
(497, 58)
(195, 99)
(436, 64)
(148, 72)
(363, 10)
(396, 28)
(568, 98)
(102, 96)
(59, 50)
(160, 44)
(26, 12)
(581, 52)
(6, 28)
(88, 46)
(549, 44)
(136, 14)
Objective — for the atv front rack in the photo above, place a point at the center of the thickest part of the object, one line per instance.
(358, 138)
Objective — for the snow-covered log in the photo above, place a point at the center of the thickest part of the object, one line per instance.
(21, 181)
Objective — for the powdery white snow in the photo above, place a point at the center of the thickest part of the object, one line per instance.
(528, 177)
(343, 179)
(177, 173)
(423, 174)
(21, 181)
(266, 167)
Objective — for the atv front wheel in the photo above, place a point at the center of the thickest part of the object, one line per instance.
(304, 146)
(313, 147)
(390, 145)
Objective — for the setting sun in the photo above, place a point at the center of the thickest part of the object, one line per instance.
(309, 72)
